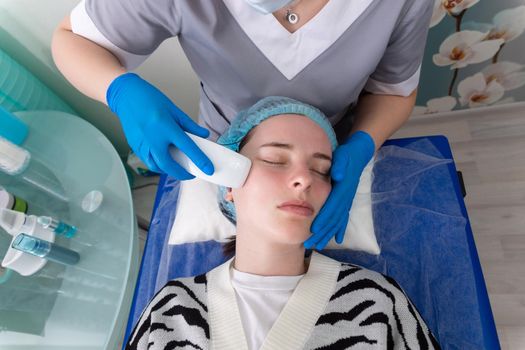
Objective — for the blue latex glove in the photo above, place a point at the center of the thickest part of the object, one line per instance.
(151, 122)
(349, 160)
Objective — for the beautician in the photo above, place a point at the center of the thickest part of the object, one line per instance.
(358, 61)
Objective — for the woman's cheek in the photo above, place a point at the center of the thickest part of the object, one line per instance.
(259, 181)
(324, 191)
(264, 178)
(254, 175)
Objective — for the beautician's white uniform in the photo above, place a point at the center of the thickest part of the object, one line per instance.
(242, 55)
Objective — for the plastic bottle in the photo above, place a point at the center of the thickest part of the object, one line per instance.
(45, 249)
(16, 161)
(12, 128)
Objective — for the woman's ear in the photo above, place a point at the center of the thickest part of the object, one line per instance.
(229, 195)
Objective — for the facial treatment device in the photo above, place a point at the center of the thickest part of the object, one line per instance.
(231, 168)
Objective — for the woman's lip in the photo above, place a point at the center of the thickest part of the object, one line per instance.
(295, 209)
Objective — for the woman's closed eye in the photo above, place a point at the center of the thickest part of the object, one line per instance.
(272, 162)
(322, 172)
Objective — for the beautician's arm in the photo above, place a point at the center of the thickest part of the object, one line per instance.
(382, 115)
(87, 66)
(151, 121)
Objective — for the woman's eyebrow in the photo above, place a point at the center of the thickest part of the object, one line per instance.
(290, 147)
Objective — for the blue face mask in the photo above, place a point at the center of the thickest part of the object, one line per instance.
(268, 6)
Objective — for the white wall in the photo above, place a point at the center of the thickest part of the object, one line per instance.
(31, 23)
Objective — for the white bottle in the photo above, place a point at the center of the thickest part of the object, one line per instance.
(231, 168)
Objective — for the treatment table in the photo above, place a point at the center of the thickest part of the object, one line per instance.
(421, 225)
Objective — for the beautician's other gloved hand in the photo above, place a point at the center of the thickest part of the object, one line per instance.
(151, 122)
(349, 160)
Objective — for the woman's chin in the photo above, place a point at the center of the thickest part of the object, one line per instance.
(294, 235)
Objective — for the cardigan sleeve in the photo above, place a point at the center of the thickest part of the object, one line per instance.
(177, 314)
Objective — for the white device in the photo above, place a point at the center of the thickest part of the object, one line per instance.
(231, 168)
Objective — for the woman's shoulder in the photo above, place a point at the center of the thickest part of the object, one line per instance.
(372, 300)
(195, 286)
(180, 310)
(199, 280)
(187, 292)
(356, 278)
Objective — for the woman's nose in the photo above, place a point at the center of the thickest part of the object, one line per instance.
(301, 178)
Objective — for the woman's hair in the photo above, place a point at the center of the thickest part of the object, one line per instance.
(228, 248)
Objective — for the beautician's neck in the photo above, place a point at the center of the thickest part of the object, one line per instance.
(264, 259)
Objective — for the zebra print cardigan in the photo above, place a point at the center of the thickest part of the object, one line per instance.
(334, 306)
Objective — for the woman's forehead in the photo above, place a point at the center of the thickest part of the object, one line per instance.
(291, 134)
(288, 127)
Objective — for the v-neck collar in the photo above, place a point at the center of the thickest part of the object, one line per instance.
(289, 52)
(295, 323)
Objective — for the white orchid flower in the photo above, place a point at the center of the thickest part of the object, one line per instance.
(508, 24)
(475, 91)
(452, 7)
(438, 13)
(465, 47)
(507, 74)
(437, 105)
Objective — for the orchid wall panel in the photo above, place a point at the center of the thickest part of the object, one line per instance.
(475, 55)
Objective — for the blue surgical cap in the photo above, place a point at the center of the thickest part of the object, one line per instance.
(249, 118)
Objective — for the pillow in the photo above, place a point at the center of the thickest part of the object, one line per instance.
(199, 218)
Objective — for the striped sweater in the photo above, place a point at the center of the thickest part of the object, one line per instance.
(334, 306)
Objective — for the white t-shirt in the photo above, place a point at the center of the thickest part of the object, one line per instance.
(260, 300)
